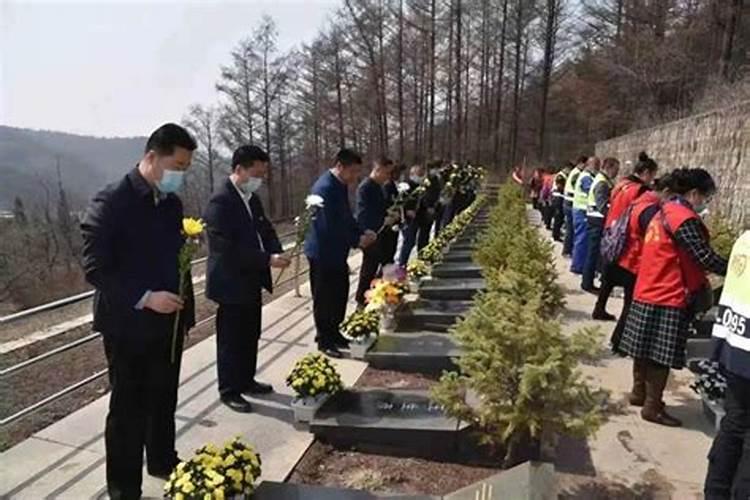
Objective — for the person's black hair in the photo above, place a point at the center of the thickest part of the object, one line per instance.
(246, 155)
(662, 182)
(683, 180)
(645, 164)
(347, 157)
(610, 162)
(582, 159)
(384, 161)
(169, 136)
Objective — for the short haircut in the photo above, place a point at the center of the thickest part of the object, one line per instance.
(682, 180)
(348, 157)
(610, 162)
(582, 159)
(246, 155)
(383, 161)
(169, 136)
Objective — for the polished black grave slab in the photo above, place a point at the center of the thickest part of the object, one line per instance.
(453, 270)
(435, 315)
(422, 352)
(399, 422)
(451, 289)
(527, 481)
(272, 490)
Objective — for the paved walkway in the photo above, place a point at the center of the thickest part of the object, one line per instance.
(66, 460)
(627, 449)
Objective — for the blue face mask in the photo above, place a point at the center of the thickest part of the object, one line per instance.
(171, 181)
(251, 185)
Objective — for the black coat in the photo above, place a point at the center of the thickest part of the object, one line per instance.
(238, 266)
(131, 240)
(371, 205)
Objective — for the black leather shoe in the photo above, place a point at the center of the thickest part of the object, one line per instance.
(341, 342)
(331, 351)
(603, 316)
(593, 290)
(237, 403)
(256, 387)
(164, 472)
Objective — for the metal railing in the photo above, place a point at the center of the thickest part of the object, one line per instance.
(73, 299)
(84, 340)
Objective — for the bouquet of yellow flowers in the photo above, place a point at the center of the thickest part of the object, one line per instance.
(192, 229)
(417, 268)
(385, 293)
(361, 324)
(314, 375)
(215, 473)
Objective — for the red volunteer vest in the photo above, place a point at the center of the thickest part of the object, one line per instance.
(668, 274)
(623, 194)
(631, 254)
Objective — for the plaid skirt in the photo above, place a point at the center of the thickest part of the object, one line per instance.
(658, 333)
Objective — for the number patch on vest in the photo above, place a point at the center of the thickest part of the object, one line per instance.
(652, 234)
(732, 321)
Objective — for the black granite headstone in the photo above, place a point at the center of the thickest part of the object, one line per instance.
(399, 422)
(272, 490)
(423, 352)
(431, 315)
(457, 270)
(451, 289)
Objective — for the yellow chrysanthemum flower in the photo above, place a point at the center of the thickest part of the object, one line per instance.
(192, 227)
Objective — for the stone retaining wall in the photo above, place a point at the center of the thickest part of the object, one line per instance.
(718, 141)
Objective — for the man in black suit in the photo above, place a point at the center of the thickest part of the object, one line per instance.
(420, 213)
(371, 214)
(132, 235)
(242, 246)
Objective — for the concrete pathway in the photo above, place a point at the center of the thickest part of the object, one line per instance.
(627, 449)
(66, 460)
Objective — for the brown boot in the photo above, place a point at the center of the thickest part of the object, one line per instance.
(653, 407)
(638, 393)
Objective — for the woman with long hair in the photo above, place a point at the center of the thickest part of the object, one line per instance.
(675, 257)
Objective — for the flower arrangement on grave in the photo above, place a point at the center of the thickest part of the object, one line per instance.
(361, 324)
(313, 376)
(302, 222)
(462, 179)
(709, 381)
(192, 230)
(215, 473)
(417, 269)
(432, 253)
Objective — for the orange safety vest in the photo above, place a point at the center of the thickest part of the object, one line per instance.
(631, 252)
(624, 193)
(668, 273)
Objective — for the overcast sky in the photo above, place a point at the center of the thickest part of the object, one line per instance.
(122, 67)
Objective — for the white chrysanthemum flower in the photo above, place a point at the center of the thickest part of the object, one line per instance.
(402, 187)
(314, 200)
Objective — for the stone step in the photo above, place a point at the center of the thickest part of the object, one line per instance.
(422, 352)
(451, 289)
(431, 315)
(457, 270)
(458, 256)
(397, 421)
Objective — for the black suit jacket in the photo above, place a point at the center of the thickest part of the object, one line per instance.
(131, 240)
(238, 266)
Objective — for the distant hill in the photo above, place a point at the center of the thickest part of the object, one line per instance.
(28, 162)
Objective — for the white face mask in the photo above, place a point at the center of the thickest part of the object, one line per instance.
(416, 178)
(251, 185)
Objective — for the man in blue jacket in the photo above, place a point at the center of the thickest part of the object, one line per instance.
(332, 234)
(132, 235)
(371, 214)
(242, 246)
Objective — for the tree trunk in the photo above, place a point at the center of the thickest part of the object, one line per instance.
(500, 78)
(734, 11)
(516, 83)
(448, 122)
(339, 99)
(459, 68)
(400, 80)
(549, 57)
(431, 139)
